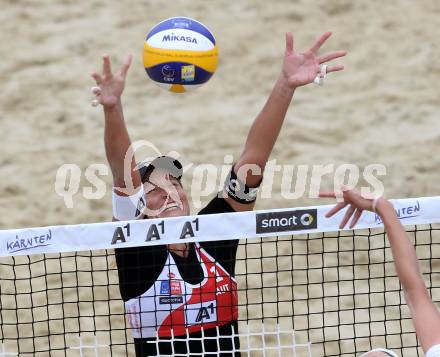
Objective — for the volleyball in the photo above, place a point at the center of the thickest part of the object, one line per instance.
(180, 54)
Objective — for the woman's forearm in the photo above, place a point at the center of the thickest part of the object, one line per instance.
(265, 130)
(405, 258)
(117, 145)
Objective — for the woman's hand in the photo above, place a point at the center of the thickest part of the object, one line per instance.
(302, 68)
(356, 202)
(110, 86)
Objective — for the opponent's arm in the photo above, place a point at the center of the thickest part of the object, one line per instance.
(116, 139)
(298, 69)
(425, 315)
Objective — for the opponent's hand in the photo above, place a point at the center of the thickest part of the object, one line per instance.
(302, 68)
(109, 86)
(357, 204)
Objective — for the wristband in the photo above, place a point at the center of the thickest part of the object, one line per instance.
(375, 201)
(237, 189)
(128, 207)
(434, 351)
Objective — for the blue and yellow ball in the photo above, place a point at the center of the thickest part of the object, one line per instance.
(180, 54)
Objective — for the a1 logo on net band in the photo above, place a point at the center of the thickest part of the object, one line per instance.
(285, 221)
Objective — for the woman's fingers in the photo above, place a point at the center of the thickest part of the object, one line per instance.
(331, 56)
(97, 77)
(327, 194)
(336, 68)
(347, 216)
(320, 42)
(336, 209)
(96, 91)
(356, 217)
(126, 64)
(289, 43)
(106, 67)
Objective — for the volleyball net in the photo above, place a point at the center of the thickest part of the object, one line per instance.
(301, 286)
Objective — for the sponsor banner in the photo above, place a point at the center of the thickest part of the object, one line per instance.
(213, 227)
(286, 221)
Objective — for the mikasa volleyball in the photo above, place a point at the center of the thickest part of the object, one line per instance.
(180, 54)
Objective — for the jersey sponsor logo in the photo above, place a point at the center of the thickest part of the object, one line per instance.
(219, 277)
(171, 300)
(286, 221)
(165, 287)
(170, 287)
(201, 313)
(175, 287)
(222, 289)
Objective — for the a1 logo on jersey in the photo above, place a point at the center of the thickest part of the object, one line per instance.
(201, 313)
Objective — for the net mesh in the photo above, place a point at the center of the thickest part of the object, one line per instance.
(327, 294)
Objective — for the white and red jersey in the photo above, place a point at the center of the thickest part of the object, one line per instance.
(173, 304)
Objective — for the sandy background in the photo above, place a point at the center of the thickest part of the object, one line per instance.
(381, 109)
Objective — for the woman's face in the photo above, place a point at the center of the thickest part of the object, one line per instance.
(165, 196)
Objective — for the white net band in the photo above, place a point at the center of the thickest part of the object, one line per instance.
(214, 227)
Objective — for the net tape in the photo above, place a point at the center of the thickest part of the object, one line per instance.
(214, 227)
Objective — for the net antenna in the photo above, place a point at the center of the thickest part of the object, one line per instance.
(84, 346)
